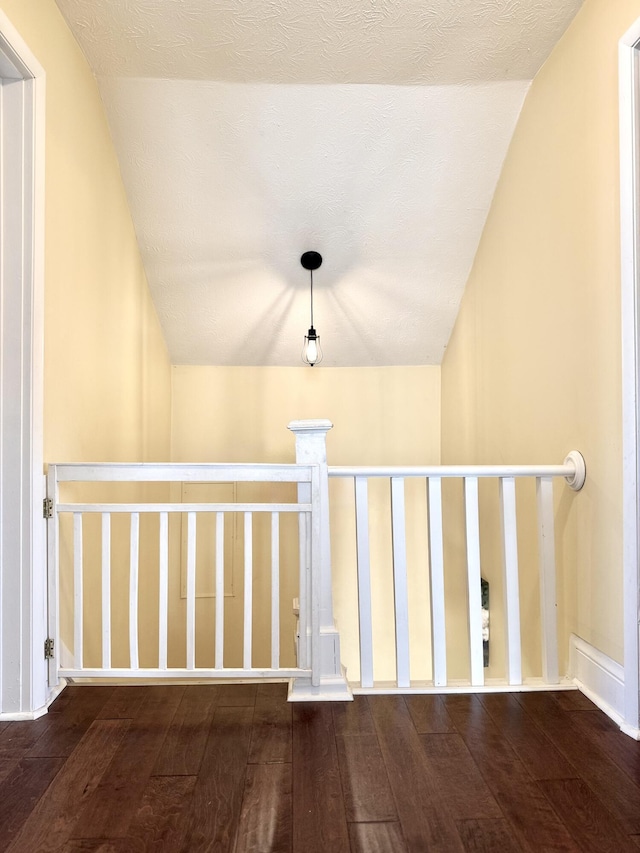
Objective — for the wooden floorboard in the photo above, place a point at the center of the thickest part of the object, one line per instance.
(93, 845)
(16, 739)
(487, 836)
(604, 733)
(319, 819)
(66, 729)
(266, 815)
(591, 764)
(593, 827)
(365, 784)
(426, 822)
(237, 769)
(573, 700)
(534, 749)
(271, 737)
(429, 714)
(156, 823)
(211, 821)
(456, 776)
(353, 718)
(237, 695)
(109, 811)
(183, 747)
(52, 821)
(376, 838)
(124, 703)
(20, 792)
(531, 816)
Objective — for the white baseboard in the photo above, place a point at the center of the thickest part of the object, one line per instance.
(599, 677)
(331, 689)
(22, 716)
(18, 716)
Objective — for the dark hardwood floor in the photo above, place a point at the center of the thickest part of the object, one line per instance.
(235, 768)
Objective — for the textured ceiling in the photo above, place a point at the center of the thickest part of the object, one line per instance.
(243, 142)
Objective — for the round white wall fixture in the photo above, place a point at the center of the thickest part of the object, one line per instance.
(576, 480)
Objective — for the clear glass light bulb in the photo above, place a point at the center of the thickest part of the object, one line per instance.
(312, 351)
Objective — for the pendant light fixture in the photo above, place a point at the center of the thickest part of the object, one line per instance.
(311, 351)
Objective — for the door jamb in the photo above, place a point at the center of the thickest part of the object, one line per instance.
(23, 665)
(629, 99)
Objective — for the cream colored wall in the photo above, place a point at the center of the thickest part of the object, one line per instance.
(107, 380)
(533, 368)
(381, 416)
(107, 372)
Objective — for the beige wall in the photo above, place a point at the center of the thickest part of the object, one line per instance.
(107, 379)
(381, 416)
(107, 372)
(533, 369)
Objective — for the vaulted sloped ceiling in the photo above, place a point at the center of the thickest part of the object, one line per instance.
(371, 131)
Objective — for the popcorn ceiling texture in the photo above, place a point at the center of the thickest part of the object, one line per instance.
(231, 175)
(320, 41)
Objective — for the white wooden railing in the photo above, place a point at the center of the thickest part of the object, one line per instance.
(97, 573)
(433, 606)
(89, 582)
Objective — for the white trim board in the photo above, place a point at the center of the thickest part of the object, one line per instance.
(629, 107)
(601, 679)
(23, 581)
(39, 712)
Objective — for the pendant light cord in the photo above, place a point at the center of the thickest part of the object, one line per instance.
(311, 271)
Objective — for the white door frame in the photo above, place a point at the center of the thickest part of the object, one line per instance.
(24, 692)
(629, 83)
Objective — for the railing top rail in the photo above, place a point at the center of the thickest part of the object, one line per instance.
(451, 471)
(573, 470)
(183, 507)
(167, 472)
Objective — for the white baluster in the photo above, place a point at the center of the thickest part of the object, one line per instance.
(134, 551)
(547, 556)
(304, 548)
(364, 582)
(315, 545)
(163, 581)
(275, 590)
(511, 582)
(191, 590)
(436, 558)
(476, 655)
(400, 588)
(248, 588)
(106, 590)
(78, 604)
(219, 648)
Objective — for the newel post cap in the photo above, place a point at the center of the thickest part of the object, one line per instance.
(313, 425)
(311, 440)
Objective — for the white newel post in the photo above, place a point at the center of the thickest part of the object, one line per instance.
(311, 448)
